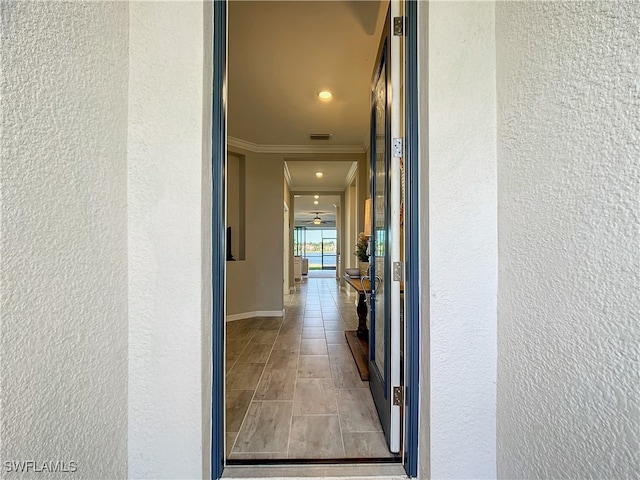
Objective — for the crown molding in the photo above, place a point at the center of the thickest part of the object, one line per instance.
(295, 149)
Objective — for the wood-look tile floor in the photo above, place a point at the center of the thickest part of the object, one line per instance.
(293, 390)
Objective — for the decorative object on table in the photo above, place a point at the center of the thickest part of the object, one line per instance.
(363, 268)
(352, 272)
(361, 248)
(361, 254)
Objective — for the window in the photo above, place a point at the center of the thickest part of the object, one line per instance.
(318, 245)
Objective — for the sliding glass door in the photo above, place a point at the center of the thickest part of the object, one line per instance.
(318, 245)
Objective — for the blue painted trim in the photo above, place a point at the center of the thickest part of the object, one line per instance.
(412, 243)
(218, 235)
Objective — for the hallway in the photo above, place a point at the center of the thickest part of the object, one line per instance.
(293, 390)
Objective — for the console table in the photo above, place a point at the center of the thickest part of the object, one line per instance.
(358, 340)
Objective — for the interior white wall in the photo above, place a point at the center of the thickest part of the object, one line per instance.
(569, 193)
(340, 228)
(64, 237)
(291, 203)
(165, 241)
(292, 207)
(255, 284)
(351, 235)
(234, 202)
(462, 238)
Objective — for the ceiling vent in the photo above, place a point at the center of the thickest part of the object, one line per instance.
(319, 136)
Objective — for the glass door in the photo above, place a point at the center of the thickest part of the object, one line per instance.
(329, 250)
(384, 332)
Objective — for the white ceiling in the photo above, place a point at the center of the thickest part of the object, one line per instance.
(335, 178)
(281, 54)
(306, 210)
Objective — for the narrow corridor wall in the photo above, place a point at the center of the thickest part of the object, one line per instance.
(167, 248)
(458, 185)
(255, 284)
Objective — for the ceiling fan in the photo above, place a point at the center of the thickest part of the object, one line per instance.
(316, 220)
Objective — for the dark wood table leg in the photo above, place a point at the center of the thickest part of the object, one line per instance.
(361, 309)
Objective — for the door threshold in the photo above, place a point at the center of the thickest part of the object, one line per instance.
(314, 461)
(371, 471)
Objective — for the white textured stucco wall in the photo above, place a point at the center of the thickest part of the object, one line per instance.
(462, 235)
(165, 246)
(64, 237)
(569, 196)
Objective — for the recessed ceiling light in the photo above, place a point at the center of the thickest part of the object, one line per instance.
(316, 196)
(319, 174)
(296, 196)
(315, 202)
(325, 95)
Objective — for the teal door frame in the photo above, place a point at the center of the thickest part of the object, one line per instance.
(218, 234)
(218, 238)
(412, 242)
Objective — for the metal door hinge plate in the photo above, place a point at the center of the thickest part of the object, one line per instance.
(398, 396)
(398, 26)
(398, 147)
(398, 271)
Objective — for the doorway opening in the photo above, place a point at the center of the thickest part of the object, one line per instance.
(319, 307)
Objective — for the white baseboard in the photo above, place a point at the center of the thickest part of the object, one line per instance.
(259, 313)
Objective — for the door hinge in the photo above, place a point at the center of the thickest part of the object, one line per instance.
(398, 271)
(398, 147)
(398, 26)
(398, 396)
